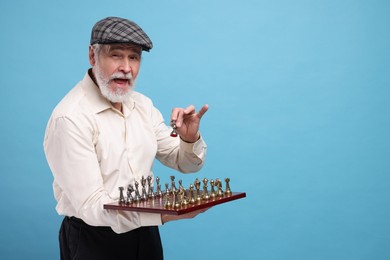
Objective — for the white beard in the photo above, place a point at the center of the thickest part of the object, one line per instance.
(117, 95)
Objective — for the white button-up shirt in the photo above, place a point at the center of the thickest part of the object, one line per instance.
(92, 149)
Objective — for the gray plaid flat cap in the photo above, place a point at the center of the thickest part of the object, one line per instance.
(118, 30)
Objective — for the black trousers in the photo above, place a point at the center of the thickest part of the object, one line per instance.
(80, 241)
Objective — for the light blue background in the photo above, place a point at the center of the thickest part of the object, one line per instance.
(299, 120)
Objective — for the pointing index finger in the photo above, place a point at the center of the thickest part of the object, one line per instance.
(203, 110)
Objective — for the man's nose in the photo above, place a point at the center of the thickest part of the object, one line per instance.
(125, 66)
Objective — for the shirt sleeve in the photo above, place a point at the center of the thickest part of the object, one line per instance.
(70, 152)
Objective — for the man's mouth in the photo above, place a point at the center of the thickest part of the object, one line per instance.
(121, 81)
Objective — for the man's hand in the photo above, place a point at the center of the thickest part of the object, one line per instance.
(166, 217)
(188, 121)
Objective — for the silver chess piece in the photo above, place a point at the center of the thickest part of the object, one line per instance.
(137, 197)
(150, 188)
(158, 190)
(144, 195)
(130, 198)
(173, 124)
(121, 197)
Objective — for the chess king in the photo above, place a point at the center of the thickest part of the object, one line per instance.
(103, 135)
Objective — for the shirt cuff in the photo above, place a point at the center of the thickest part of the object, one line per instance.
(195, 148)
(150, 219)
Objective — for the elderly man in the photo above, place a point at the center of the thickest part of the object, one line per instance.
(103, 135)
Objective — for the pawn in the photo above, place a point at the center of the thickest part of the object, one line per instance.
(227, 189)
(191, 198)
(213, 194)
(206, 194)
(198, 197)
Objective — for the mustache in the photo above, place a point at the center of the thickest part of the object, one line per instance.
(119, 75)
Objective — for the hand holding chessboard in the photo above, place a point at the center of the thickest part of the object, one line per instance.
(172, 200)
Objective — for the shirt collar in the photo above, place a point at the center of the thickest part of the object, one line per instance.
(98, 102)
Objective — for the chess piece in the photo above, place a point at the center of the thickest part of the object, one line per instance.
(130, 198)
(213, 194)
(191, 198)
(218, 184)
(168, 203)
(173, 186)
(121, 197)
(183, 197)
(181, 185)
(206, 194)
(176, 200)
(137, 197)
(150, 188)
(227, 189)
(173, 133)
(197, 190)
(158, 190)
(166, 192)
(144, 196)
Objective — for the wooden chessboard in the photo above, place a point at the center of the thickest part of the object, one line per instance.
(156, 205)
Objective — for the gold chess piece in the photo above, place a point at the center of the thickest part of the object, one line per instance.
(198, 197)
(218, 184)
(227, 189)
(168, 203)
(176, 202)
(213, 194)
(183, 197)
(206, 194)
(191, 198)
(173, 186)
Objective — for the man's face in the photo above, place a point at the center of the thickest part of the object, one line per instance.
(115, 67)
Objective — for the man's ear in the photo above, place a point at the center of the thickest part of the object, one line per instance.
(91, 56)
